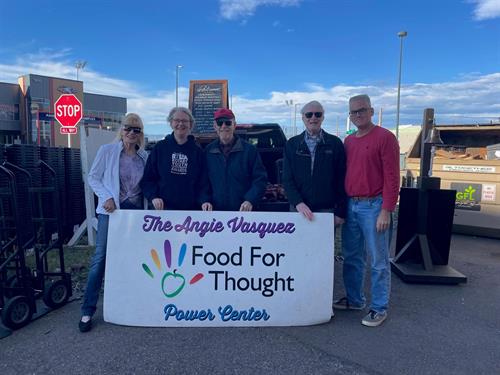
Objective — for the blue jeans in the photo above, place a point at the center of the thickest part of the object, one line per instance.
(98, 262)
(96, 271)
(359, 239)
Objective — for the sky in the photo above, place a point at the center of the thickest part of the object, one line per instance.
(270, 51)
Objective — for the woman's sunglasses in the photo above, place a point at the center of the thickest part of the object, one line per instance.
(316, 114)
(132, 129)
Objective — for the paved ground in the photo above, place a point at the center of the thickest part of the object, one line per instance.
(431, 329)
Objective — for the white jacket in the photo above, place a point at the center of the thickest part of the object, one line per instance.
(104, 176)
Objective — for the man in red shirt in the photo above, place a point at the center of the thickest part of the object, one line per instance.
(372, 184)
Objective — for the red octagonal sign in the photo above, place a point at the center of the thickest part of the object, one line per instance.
(68, 112)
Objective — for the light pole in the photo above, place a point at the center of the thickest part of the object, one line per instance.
(289, 103)
(177, 67)
(401, 35)
(79, 65)
(295, 119)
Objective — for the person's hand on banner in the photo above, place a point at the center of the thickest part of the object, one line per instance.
(246, 206)
(207, 206)
(338, 221)
(305, 210)
(109, 205)
(158, 203)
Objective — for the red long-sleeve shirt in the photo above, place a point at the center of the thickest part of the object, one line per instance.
(373, 166)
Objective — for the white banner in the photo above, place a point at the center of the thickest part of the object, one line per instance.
(191, 268)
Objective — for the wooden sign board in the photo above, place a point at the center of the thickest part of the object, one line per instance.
(205, 97)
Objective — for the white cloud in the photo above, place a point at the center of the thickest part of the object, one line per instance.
(57, 64)
(234, 9)
(486, 9)
(153, 107)
(471, 98)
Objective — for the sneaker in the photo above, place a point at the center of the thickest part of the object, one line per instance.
(85, 323)
(374, 319)
(343, 304)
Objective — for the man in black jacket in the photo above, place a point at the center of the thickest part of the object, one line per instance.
(314, 168)
(236, 173)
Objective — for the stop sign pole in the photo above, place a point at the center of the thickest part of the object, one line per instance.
(68, 111)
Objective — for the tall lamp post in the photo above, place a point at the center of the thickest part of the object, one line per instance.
(79, 65)
(177, 67)
(295, 119)
(401, 35)
(289, 103)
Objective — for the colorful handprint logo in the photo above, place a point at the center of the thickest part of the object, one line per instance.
(172, 282)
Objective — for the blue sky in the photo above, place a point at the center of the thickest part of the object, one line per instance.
(270, 51)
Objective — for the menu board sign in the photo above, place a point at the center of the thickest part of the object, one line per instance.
(205, 97)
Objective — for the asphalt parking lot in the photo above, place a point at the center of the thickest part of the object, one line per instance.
(431, 329)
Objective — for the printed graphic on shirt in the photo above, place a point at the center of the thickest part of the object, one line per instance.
(179, 163)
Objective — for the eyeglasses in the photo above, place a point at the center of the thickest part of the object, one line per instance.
(224, 122)
(316, 114)
(360, 111)
(179, 121)
(129, 129)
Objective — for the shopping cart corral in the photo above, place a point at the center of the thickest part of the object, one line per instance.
(31, 255)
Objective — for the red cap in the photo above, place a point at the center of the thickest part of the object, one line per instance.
(223, 113)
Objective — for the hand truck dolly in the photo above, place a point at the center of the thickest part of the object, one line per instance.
(26, 230)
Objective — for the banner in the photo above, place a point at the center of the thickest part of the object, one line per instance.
(192, 268)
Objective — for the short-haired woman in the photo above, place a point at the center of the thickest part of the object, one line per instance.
(174, 176)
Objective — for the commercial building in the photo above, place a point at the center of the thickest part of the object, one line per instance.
(27, 110)
(10, 123)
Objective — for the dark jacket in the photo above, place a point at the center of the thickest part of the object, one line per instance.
(175, 173)
(241, 177)
(324, 189)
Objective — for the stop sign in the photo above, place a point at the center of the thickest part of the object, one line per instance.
(68, 111)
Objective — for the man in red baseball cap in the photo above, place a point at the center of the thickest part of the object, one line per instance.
(236, 173)
(225, 125)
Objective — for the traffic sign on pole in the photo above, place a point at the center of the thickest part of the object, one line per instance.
(68, 111)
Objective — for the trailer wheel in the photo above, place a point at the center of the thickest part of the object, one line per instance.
(17, 312)
(57, 294)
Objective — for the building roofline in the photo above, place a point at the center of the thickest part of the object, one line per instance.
(109, 96)
(40, 75)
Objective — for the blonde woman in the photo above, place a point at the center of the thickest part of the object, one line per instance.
(114, 177)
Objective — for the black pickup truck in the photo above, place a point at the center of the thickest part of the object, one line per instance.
(270, 142)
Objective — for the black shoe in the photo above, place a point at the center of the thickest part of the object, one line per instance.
(85, 326)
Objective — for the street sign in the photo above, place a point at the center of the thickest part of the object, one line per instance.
(68, 112)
